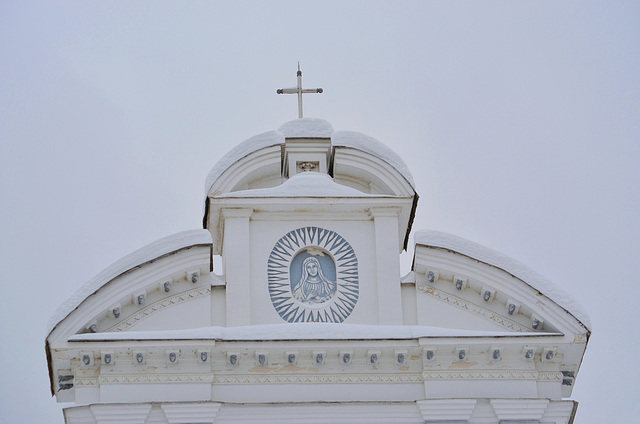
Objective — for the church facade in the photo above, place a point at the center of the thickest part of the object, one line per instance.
(309, 319)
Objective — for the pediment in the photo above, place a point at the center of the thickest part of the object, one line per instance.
(156, 287)
(461, 284)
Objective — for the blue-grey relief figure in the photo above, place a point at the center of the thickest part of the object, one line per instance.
(304, 270)
(313, 287)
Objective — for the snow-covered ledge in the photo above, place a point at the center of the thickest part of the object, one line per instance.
(491, 257)
(302, 331)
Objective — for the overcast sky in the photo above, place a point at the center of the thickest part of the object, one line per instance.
(519, 120)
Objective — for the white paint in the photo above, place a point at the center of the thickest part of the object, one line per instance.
(491, 257)
(297, 331)
(389, 299)
(304, 184)
(145, 254)
(308, 128)
(236, 256)
(216, 326)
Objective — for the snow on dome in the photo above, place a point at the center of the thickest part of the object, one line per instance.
(145, 254)
(309, 184)
(513, 267)
(300, 331)
(309, 128)
(255, 143)
(306, 128)
(372, 146)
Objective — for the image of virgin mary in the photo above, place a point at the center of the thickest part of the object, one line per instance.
(313, 286)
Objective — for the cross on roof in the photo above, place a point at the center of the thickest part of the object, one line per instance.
(299, 91)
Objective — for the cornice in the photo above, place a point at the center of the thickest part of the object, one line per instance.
(120, 288)
(506, 284)
(230, 213)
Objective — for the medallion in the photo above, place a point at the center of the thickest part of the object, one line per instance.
(313, 276)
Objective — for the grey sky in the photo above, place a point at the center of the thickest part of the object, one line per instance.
(519, 120)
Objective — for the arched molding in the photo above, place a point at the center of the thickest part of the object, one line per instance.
(351, 164)
(250, 171)
(438, 268)
(262, 167)
(240, 152)
(147, 278)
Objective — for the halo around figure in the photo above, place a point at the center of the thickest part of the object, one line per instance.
(312, 276)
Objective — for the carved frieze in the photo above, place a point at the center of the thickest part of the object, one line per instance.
(471, 307)
(160, 305)
(318, 379)
(492, 375)
(365, 378)
(155, 378)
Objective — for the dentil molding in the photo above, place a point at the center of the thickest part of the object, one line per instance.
(210, 378)
(492, 375)
(318, 379)
(471, 307)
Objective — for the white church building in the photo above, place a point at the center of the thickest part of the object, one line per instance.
(308, 319)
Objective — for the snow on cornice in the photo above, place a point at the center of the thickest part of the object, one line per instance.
(304, 184)
(511, 266)
(253, 144)
(164, 246)
(308, 128)
(301, 331)
(374, 147)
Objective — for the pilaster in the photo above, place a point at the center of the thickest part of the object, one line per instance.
(236, 256)
(121, 414)
(184, 413)
(78, 415)
(559, 412)
(449, 410)
(519, 409)
(387, 265)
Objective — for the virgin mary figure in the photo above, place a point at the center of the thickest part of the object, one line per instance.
(313, 286)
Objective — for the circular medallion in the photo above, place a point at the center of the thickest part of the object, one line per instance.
(313, 276)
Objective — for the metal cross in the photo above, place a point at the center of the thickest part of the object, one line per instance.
(299, 91)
